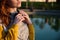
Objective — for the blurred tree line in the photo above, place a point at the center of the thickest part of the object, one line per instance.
(42, 5)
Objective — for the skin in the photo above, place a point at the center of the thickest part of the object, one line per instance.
(21, 16)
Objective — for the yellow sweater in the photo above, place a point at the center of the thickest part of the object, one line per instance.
(13, 32)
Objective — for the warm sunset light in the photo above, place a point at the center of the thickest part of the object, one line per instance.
(40, 0)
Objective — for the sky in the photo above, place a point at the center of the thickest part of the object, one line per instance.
(41, 0)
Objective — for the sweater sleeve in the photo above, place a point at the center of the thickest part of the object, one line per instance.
(12, 33)
(31, 32)
(1, 30)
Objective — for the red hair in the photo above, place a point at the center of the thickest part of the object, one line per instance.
(4, 12)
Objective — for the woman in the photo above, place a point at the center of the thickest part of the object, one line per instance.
(14, 24)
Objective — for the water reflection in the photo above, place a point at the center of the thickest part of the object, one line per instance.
(47, 28)
(53, 22)
(56, 26)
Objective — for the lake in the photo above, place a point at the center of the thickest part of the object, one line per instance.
(46, 27)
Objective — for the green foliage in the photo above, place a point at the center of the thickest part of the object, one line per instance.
(42, 5)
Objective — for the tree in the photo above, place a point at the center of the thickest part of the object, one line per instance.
(27, 3)
(46, 1)
(58, 1)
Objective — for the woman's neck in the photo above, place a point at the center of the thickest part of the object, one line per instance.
(12, 10)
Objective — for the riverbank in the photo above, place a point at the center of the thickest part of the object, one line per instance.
(43, 12)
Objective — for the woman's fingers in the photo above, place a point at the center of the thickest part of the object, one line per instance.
(23, 16)
(27, 20)
(23, 13)
(19, 18)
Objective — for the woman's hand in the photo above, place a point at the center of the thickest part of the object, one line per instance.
(18, 19)
(25, 15)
